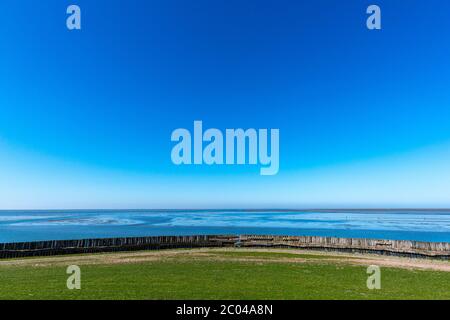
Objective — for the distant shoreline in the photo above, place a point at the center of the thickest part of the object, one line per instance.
(231, 209)
(331, 210)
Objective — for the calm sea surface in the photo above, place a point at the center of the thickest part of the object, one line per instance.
(423, 225)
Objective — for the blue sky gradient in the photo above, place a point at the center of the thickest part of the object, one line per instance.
(86, 116)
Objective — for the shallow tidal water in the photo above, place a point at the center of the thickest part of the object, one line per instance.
(424, 225)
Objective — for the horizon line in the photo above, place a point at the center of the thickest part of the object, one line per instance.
(236, 209)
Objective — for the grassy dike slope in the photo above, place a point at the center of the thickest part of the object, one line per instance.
(223, 274)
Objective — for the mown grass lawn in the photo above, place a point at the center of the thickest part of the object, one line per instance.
(212, 278)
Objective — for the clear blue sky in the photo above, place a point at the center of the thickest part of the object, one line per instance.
(86, 116)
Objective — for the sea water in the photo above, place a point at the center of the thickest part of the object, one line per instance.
(424, 225)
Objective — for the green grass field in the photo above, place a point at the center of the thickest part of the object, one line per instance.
(214, 275)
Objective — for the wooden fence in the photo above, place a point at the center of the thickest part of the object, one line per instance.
(58, 247)
(439, 250)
